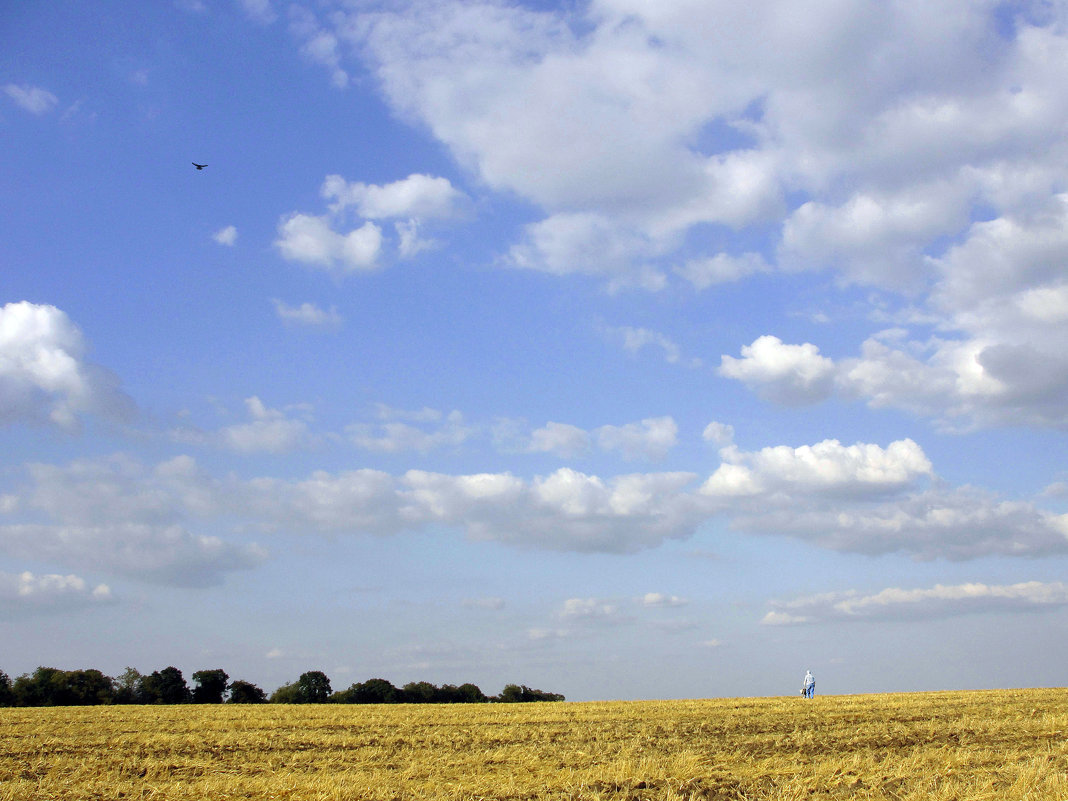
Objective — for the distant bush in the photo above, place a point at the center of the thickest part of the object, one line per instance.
(245, 692)
(518, 694)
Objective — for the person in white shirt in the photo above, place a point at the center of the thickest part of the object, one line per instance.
(809, 686)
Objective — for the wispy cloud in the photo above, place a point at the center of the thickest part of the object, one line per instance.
(26, 592)
(33, 99)
(932, 602)
(397, 436)
(661, 600)
(261, 11)
(650, 439)
(634, 340)
(307, 315)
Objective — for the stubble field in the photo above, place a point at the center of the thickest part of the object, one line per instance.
(941, 746)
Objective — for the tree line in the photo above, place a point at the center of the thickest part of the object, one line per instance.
(48, 686)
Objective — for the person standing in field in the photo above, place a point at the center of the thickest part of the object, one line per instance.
(809, 687)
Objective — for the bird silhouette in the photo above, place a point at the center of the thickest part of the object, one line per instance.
(199, 166)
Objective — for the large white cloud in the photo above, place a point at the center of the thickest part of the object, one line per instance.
(683, 112)
(565, 510)
(936, 523)
(914, 149)
(44, 375)
(864, 498)
(173, 522)
(155, 553)
(592, 244)
(1004, 374)
(118, 516)
(875, 239)
(827, 467)
(1001, 300)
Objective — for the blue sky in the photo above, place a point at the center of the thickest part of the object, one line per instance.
(621, 349)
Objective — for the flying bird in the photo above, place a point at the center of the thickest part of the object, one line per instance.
(199, 166)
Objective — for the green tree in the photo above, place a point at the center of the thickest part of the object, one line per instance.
(210, 686)
(6, 698)
(43, 687)
(49, 686)
(245, 692)
(379, 691)
(126, 687)
(511, 694)
(313, 687)
(86, 688)
(471, 694)
(515, 693)
(420, 692)
(372, 691)
(286, 694)
(165, 686)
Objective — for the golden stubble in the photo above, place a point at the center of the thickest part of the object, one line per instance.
(940, 746)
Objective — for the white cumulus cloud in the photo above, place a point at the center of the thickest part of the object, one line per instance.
(412, 203)
(916, 150)
(789, 374)
(44, 375)
(311, 240)
(826, 467)
(418, 197)
(173, 522)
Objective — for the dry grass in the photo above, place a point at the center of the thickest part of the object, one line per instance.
(941, 746)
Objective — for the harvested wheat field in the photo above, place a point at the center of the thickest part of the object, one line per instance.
(948, 745)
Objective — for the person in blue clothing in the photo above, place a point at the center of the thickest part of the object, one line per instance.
(809, 687)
